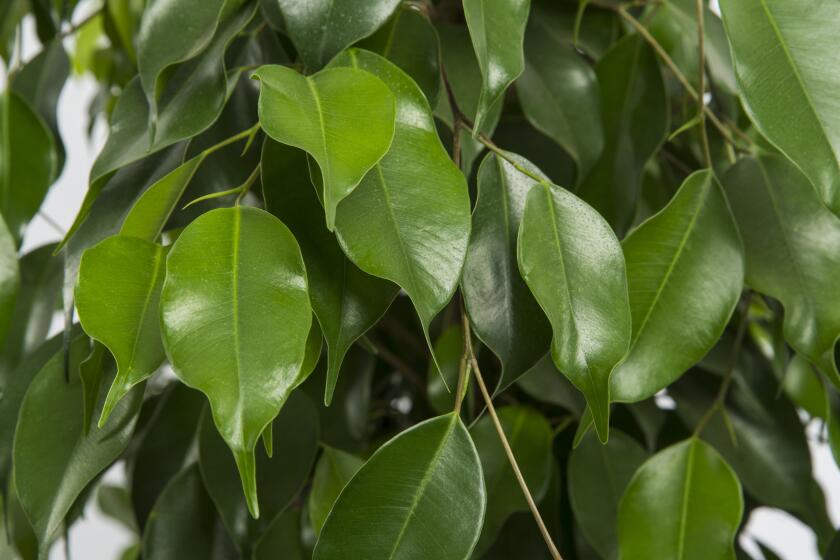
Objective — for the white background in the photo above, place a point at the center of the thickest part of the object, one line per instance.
(99, 538)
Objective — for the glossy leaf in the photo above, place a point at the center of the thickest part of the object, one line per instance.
(684, 502)
(545, 383)
(560, 95)
(572, 262)
(408, 221)
(635, 112)
(235, 319)
(497, 30)
(343, 117)
(783, 61)
(441, 385)
(55, 461)
(502, 311)
(423, 497)
(346, 301)
(792, 247)
(530, 437)
(279, 478)
(598, 475)
(322, 29)
(28, 165)
(117, 298)
(685, 272)
(334, 470)
(9, 278)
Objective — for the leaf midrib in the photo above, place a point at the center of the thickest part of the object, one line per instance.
(685, 499)
(145, 309)
(237, 226)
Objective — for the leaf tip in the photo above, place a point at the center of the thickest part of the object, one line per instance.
(246, 464)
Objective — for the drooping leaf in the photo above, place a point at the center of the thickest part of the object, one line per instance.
(441, 385)
(530, 437)
(322, 29)
(28, 164)
(408, 221)
(9, 278)
(783, 56)
(184, 525)
(598, 475)
(54, 460)
(684, 502)
(502, 311)
(279, 478)
(634, 107)
(117, 298)
(346, 301)
(792, 248)
(334, 470)
(343, 117)
(560, 95)
(685, 272)
(165, 447)
(572, 262)
(410, 41)
(497, 30)
(423, 497)
(235, 319)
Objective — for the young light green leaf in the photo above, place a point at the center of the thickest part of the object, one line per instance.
(634, 107)
(792, 247)
(9, 278)
(684, 502)
(784, 61)
(572, 262)
(530, 437)
(343, 117)
(320, 30)
(235, 320)
(598, 475)
(334, 470)
(497, 30)
(117, 298)
(279, 478)
(685, 272)
(422, 494)
(560, 95)
(409, 219)
(502, 311)
(346, 301)
(28, 162)
(55, 461)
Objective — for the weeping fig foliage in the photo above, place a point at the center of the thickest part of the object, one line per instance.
(407, 279)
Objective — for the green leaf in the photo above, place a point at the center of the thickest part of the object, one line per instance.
(598, 475)
(685, 272)
(54, 461)
(117, 298)
(282, 539)
(441, 385)
(792, 247)
(321, 30)
(279, 478)
(560, 96)
(684, 502)
(422, 494)
(343, 117)
(546, 384)
(784, 63)
(346, 301)
(572, 262)
(183, 524)
(165, 447)
(90, 373)
(530, 437)
(28, 162)
(409, 219)
(497, 30)
(115, 502)
(502, 311)
(334, 470)
(634, 107)
(410, 41)
(10, 276)
(235, 319)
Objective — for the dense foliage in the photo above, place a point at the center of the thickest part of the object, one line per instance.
(436, 280)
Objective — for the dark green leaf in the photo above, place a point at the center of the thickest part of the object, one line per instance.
(334, 470)
(282, 539)
(10, 276)
(545, 383)
(441, 385)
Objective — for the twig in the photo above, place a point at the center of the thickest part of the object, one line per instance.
(465, 364)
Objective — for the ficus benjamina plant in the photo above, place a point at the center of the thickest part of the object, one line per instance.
(419, 279)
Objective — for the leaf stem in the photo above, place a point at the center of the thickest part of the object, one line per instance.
(465, 364)
(701, 86)
(490, 145)
(555, 554)
(246, 186)
(249, 133)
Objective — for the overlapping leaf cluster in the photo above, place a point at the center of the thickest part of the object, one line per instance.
(352, 230)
